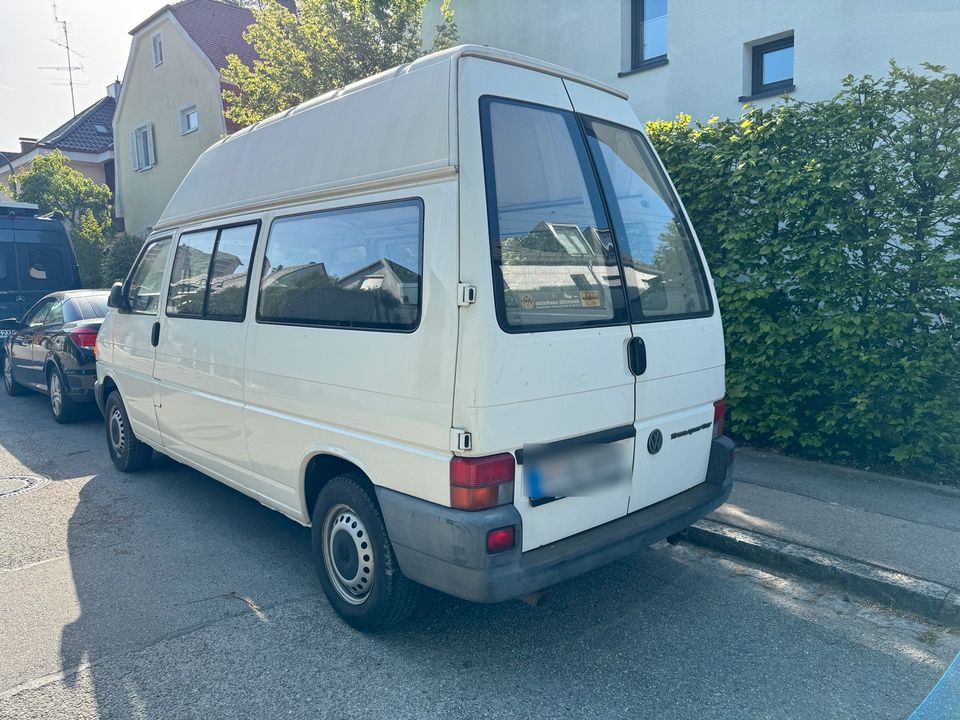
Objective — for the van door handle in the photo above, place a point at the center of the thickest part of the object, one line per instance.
(155, 334)
(637, 356)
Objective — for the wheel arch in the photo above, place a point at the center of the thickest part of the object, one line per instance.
(318, 468)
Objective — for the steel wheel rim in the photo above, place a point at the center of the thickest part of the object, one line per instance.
(116, 432)
(344, 534)
(56, 393)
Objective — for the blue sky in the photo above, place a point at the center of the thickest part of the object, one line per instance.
(31, 105)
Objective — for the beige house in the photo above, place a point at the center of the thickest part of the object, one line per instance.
(171, 108)
(86, 140)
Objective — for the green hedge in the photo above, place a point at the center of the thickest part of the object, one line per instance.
(833, 234)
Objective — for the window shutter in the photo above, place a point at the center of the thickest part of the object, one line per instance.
(133, 150)
(151, 156)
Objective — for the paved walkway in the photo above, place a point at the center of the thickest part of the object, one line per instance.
(902, 525)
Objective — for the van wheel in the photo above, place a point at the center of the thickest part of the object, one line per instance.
(358, 569)
(64, 409)
(127, 453)
(13, 388)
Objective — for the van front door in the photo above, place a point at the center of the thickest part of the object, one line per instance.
(135, 333)
(677, 353)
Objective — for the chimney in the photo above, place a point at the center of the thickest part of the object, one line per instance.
(27, 144)
(113, 89)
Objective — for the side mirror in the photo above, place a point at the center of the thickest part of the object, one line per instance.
(116, 296)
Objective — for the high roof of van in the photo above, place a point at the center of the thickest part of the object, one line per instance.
(397, 123)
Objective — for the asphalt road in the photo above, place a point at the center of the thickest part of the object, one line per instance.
(167, 595)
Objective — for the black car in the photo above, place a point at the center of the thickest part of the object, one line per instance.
(53, 349)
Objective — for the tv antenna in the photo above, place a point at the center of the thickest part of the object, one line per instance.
(69, 67)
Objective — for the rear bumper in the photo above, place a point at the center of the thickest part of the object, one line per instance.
(80, 383)
(445, 548)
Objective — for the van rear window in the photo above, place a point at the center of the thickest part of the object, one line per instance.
(555, 264)
(357, 267)
(665, 279)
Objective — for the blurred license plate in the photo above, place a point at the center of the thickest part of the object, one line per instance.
(587, 469)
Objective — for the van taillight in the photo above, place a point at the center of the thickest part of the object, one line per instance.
(719, 408)
(480, 483)
(84, 337)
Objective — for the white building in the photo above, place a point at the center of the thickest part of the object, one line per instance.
(709, 57)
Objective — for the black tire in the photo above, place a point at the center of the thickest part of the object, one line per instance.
(13, 388)
(64, 408)
(347, 520)
(126, 451)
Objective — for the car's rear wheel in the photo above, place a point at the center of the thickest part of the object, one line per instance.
(358, 569)
(13, 388)
(126, 451)
(63, 407)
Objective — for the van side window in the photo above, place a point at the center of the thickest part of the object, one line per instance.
(356, 267)
(188, 279)
(555, 263)
(230, 273)
(210, 273)
(143, 291)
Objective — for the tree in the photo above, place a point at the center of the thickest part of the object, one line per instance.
(325, 45)
(88, 243)
(52, 184)
(833, 234)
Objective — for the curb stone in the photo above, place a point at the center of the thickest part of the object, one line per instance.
(903, 592)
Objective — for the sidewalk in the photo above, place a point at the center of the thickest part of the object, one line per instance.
(895, 540)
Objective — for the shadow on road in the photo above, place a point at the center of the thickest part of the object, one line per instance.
(192, 600)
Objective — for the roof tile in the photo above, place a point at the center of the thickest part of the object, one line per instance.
(217, 28)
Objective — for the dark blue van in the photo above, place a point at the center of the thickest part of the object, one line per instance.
(36, 258)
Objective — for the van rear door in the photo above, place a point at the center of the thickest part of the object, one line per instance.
(677, 349)
(541, 356)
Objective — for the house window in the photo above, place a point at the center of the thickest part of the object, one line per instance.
(772, 67)
(157, 49)
(141, 148)
(188, 120)
(648, 33)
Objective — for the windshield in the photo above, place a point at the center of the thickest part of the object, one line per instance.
(555, 258)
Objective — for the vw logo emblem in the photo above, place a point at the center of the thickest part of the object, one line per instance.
(655, 442)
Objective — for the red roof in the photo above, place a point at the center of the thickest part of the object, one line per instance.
(217, 28)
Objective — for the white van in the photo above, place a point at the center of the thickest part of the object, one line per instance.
(453, 317)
